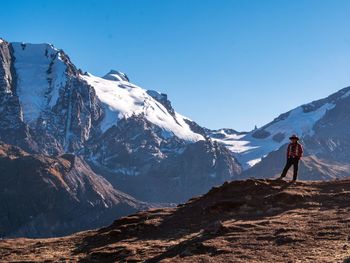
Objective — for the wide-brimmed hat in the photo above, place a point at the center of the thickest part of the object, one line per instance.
(294, 137)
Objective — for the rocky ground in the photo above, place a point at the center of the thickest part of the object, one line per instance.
(241, 221)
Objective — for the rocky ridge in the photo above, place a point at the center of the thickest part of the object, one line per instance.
(241, 221)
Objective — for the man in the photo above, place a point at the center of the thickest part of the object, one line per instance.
(294, 153)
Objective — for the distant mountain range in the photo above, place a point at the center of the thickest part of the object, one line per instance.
(130, 144)
(323, 127)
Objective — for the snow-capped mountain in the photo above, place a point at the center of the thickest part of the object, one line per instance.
(323, 126)
(130, 135)
(122, 99)
(44, 75)
(135, 139)
(251, 147)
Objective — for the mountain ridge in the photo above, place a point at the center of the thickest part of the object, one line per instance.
(43, 196)
(321, 126)
(58, 109)
(252, 220)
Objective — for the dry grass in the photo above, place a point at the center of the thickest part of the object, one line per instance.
(243, 221)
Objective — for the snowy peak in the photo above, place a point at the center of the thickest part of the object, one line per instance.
(46, 78)
(48, 83)
(41, 72)
(122, 99)
(116, 76)
(301, 120)
(314, 109)
(252, 147)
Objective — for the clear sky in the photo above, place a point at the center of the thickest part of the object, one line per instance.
(233, 63)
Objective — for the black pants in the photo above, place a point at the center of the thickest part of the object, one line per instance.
(291, 161)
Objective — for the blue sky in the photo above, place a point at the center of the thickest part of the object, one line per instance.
(233, 63)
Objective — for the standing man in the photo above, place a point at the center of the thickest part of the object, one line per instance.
(294, 153)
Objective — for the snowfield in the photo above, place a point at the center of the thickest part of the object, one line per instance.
(41, 73)
(121, 99)
(249, 149)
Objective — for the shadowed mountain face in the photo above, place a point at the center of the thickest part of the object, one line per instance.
(241, 221)
(53, 196)
(158, 172)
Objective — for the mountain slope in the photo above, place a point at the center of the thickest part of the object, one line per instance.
(53, 196)
(323, 128)
(311, 167)
(122, 99)
(241, 221)
(48, 106)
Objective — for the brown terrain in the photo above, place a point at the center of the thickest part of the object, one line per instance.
(241, 221)
(46, 196)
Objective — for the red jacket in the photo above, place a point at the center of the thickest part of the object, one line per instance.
(295, 150)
